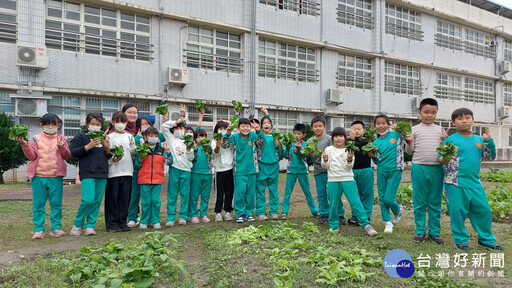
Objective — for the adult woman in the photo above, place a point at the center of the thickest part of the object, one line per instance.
(132, 114)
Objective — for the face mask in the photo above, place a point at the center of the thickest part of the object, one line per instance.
(94, 128)
(384, 133)
(120, 127)
(191, 134)
(49, 131)
(153, 140)
(144, 128)
(179, 133)
(224, 133)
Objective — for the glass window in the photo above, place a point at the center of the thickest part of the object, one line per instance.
(402, 79)
(403, 22)
(356, 12)
(355, 72)
(448, 87)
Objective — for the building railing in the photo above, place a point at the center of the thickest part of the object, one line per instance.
(209, 61)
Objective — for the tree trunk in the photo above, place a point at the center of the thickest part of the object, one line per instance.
(2, 178)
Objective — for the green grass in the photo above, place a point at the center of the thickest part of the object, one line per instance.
(15, 186)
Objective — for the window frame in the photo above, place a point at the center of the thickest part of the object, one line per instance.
(395, 22)
(482, 91)
(357, 14)
(507, 94)
(446, 36)
(364, 80)
(402, 87)
(478, 43)
(9, 28)
(450, 89)
(301, 7)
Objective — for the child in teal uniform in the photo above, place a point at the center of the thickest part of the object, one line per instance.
(390, 163)
(245, 145)
(297, 169)
(201, 180)
(465, 193)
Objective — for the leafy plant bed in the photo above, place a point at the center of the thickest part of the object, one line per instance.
(494, 175)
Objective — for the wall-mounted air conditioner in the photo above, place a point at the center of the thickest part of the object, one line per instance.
(31, 56)
(178, 75)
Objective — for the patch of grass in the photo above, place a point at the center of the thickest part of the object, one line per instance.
(15, 186)
(494, 175)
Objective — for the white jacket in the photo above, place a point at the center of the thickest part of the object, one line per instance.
(182, 158)
(338, 169)
(124, 167)
(223, 161)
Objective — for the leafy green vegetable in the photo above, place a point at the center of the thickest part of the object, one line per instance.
(276, 135)
(205, 143)
(200, 106)
(95, 134)
(447, 150)
(287, 140)
(405, 128)
(238, 106)
(217, 136)
(72, 160)
(162, 109)
(143, 150)
(312, 148)
(234, 122)
(370, 148)
(18, 131)
(351, 146)
(370, 135)
(117, 151)
(188, 140)
(500, 201)
(105, 126)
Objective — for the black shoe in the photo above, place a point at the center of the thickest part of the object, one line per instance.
(323, 219)
(419, 238)
(491, 247)
(240, 219)
(284, 216)
(343, 221)
(316, 215)
(463, 247)
(436, 239)
(124, 228)
(354, 221)
(114, 229)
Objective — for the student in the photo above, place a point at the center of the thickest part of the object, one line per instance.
(427, 174)
(201, 180)
(179, 173)
(339, 162)
(151, 177)
(93, 170)
(268, 175)
(363, 171)
(465, 194)
(318, 127)
(120, 173)
(297, 169)
(223, 167)
(244, 144)
(47, 153)
(390, 163)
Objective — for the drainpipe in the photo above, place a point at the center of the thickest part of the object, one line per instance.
(160, 40)
(321, 59)
(252, 60)
(496, 73)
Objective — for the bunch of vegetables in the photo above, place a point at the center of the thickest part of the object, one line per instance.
(404, 128)
(217, 136)
(200, 106)
(312, 148)
(162, 109)
(238, 106)
(188, 140)
(287, 140)
(117, 151)
(370, 148)
(370, 135)
(351, 146)
(18, 131)
(95, 134)
(143, 150)
(277, 136)
(447, 150)
(234, 119)
(205, 143)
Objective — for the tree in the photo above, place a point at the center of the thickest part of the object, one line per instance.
(11, 155)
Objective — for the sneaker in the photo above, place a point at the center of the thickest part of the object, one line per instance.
(38, 235)
(240, 219)
(352, 220)
(463, 247)
(194, 220)
(157, 226)
(369, 230)
(143, 226)
(389, 227)
(343, 221)
(227, 217)
(284, 216)
(274, 216)
(250, 219)
(316, 215)
(261, 217)
(169, 223)
(132, 224)
(436, 239)
(218, 217)
(75, 231)
(182, 221)
(398, 216)
(125, 228)
(334, 231)
(419, 238)
(89, 231)
(491, 247)
(205, 219)
(57, 233)
(323, 219)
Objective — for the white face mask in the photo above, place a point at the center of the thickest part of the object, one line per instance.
(50, 131)
(178, 133)
(94, 128)
(190, 134)
(152, 140)
(120, 127)
(144, 128)
(224, 133)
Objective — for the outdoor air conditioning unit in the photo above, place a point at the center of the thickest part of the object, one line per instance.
(178, 75)
(174, 112)
(335, 96)
(505, 112)
(415, 104)
(505, 67)
(30, 107)
(31, 56)
(335, 122)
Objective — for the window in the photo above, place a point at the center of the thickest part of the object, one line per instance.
(355, 12)
(285, 61)
(507, 94)
(96, 30)
(402, 79)
(6, 103)
(105, 106)
(479, 91)
(355, 72)
(368, 121)
(403, 22)
(448, 36)
(8, 23)
(143, 107)
(69, 110)
(507, 50)
(510, 137)
(307, 7)
(214, 50)
(284, 120)
(447, 87)
(478, 43)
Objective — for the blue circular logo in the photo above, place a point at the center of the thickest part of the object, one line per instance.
(398, 264)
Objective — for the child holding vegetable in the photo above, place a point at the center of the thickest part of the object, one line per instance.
(427, 174)
(93, 170)
(297, 169)
(339, 160)
(47, 153)
(465, 194)
(201, 180)
(318, 127)
(120, 173)
(150, 174)
(390, 163)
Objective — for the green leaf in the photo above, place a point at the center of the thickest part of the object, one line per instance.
(447, 150)
(200, 106)
(117, 151)
(370, 135)
(234, 122)
(217, 136)
(238, 106)
(370, 148)
(188, 140)
(18, 131)
(404, 128)
(351, 146)
(115, 283)
(162, 109)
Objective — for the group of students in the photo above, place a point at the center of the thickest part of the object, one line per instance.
(245, 163)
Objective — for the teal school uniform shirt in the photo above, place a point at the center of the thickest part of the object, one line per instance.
(390, 156)
(296, 162)
(246, 160)
(464, 168)
(201, 162)
(268, 154)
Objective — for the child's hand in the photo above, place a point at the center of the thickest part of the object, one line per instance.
(166, 117)
(139, 133)
(181, 120)
(352, 134)
(132, 141)
(167, 148)
(94, 142)
(444, 134)
(106, 141)
(183, 112)
(115, 159)
(264, 110)
(276, 142)
(487, 134)
(295, 150)
(140, 160)
(60, 142)
(371, 155)
(255, 126)
(325, 156)
(350, 156)
(20, 140)
(406, 138)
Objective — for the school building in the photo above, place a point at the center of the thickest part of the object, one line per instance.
(345, 59)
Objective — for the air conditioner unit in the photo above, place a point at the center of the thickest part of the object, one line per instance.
(31, 56)
(335, 96)
(335, 122)
(505, 67)
(31, 107)
(415, 104)
(174, 112)
(505, 112)
(178, 75)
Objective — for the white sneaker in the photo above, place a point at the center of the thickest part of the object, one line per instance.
(157, 226)
(132, 224)
(169, 224)
(182, 222)
(218, 217)
(227, 217)
(143, 226)
(397, 217)
(389, 227)
(261, 217)
(369, 230)
(274, 217)
(89, 232)
(75, 231)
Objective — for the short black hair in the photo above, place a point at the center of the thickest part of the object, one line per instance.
(200, 132)
(381, 116)
(428, 101)
(119, 117)
(461, 112)
(189, 128)
(128, 106)
(138, 123)
(243, 121)
(151, 131)
(267, 118)
(50, 118)
(299, 127)
(318, 119)
(220, 124)
(181, 124)
(254, 120)
(338, 131)
(97, 116)
(357, 122)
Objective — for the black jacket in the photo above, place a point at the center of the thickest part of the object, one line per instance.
(92, 163)
(362, 159)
